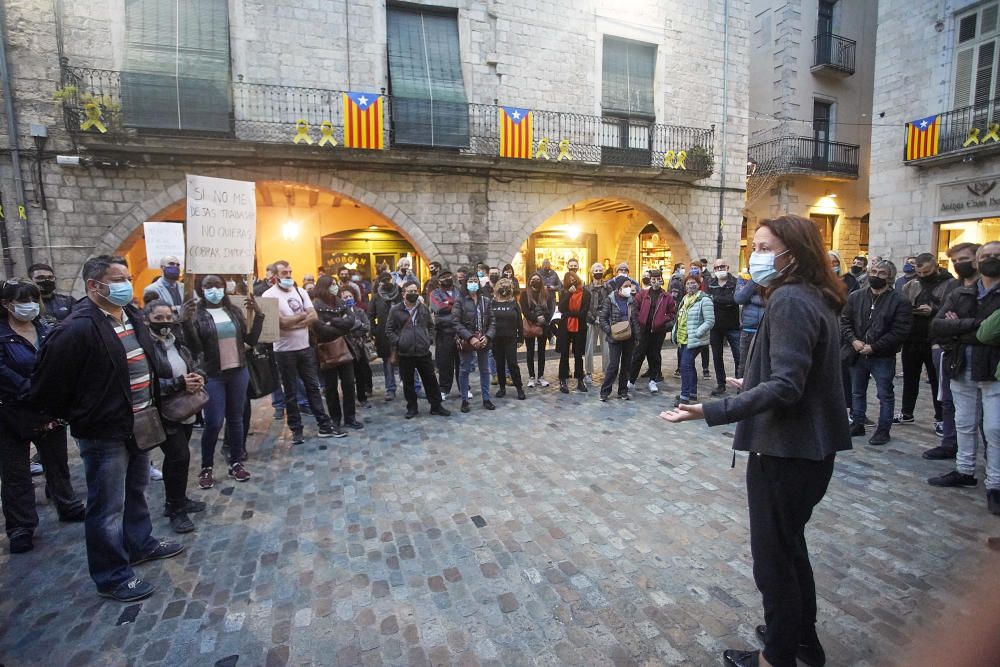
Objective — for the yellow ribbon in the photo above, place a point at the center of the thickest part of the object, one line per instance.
(543, 150)
(992, 132)
(681, 156)
(668, 159)
(971, 138)
(564, 151)
(3, 216)
(22, 212)
(302, 132)
(93, 119)
(326, 129)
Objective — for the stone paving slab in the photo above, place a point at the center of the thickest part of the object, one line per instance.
(553, 531)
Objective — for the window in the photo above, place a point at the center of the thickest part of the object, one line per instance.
(627, 101)
(824, 225)
(976, 59)
(822, 123)
(176, 74)
(429, 106)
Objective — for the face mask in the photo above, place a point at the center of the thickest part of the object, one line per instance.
(909, 268)
(574, 269)
(214, 294)
(856, 270)
(656, 283)
(722, 275)
(926, 280)
(435, 270)
(762, 269)
(598, 276)
(480, 273)
(508, 274)
(349, 302)
(403, 270)
(171, 272)
(25, 312)
(473, 287)
(505, 292)
(965, 269)
(623, 273)
(626, 292)
(120, 294)
(836, 270)
(877, 283)
(161, 329)
(691, 289)
(286, 283)
(447, 283)
(411, 297)
(356, 278)
(990, 267)
(46, 286)
(494, 277)
(695, 272)
(230, 287)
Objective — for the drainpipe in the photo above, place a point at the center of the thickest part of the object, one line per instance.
(725, 124)
(15, 151)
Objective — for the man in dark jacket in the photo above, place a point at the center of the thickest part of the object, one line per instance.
(408, 332)
(657, 312)
(93, 372)
(925, 292)
(56, 307)
(971, 366)
(442, 301)
(386, 296)
(722, 289)
(874, 324)
(550, 279)
(595, 335)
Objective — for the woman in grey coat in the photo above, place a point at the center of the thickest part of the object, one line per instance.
(790, 413)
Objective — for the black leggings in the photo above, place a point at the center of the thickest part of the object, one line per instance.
(530, 344)
(505, 355)
(176, 460)
(344, 375)
(578, 341)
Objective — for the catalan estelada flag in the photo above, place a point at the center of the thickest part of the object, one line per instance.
(515, 132)
(363, 121)
(922, 138)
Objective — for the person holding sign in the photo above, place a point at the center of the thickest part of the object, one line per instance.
(168, 288)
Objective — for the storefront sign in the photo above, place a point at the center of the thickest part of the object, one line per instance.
(221, 225)
(163, 239)
(976, 197)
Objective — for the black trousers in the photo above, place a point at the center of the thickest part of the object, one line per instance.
(176, 461)
(578, 343)
(505, 356)
(782, 493)
(363, 384)
(917, 356)
(648, 349)
(301, 364)
(17, 492)
(425, 366)
(445, 356)
(619, 363)
(530, 344)
(717, 340)
(344, 375)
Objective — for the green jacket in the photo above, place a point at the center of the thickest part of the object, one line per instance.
(989, 333)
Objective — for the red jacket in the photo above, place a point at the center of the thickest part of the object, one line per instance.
(663, 316)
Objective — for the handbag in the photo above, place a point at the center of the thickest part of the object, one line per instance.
(334, 353)
(147, 429)
(621, 331)
(532, 329)
(183, 405)
(260, 365)
(370, 351)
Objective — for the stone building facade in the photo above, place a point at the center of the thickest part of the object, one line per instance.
(461, 205)
(926, 203)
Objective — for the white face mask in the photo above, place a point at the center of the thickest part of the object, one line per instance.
(626, 292)
(25, 312)
(722, 275)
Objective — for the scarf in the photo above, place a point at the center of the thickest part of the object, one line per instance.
(682, 317)
(573, 323)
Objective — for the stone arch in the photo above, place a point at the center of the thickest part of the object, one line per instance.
(661, 215)
(127, 225)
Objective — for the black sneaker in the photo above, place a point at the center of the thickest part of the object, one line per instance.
(857, 429)
(563, 387)
(489, 405)
(162, 550)
(940, 453)
(132, 590)
(331, 432)
(706, 375)
(410, 414)
(297, 438)
(580, 386)
(879, 438)
(903, 419)
(520, 394)
(625, 397)
(180, 523)
(501, 392)
(953, 478)
(604, 398)
(465, 406)
(811, 654)
(355, 424)
(441, 411)
(20, 542)
(993, 501)
(718, 391)
(193, 506)
(677, 373)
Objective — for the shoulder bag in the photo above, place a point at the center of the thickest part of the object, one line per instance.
(147, 429)
(260, 365)
(334, 353)
(183, 404)
(621, 331)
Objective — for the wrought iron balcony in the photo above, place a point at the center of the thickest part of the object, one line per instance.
(960, 134)
(830, 160)
(834, 53)
(119, 106)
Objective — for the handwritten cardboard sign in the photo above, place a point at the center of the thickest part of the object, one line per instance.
(221, 225)
(163, 239)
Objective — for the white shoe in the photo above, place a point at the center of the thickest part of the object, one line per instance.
(154, 474)
(653, 388)
(468, 396)
(36, 469)
(444, 396)
(531, 383)
(542, 382)
(631, 385)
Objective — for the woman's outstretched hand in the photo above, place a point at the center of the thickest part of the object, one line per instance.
(735, 382)
(683, 413)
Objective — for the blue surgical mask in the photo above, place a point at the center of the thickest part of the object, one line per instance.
(762, 267)
(836, 270)
(473, 287)
(480, 273)
(120, 294)
(286, 283)
(214, 294)
(349, 302)
(695, 272)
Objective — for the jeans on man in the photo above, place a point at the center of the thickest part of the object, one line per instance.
(949, 437)
(226, 401)
(302, 364)
(466, 359)
(915, 357)
(971, 398)
(883, 369)
(117, 527)
(717, 340)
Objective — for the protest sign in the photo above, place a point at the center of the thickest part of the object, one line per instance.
(163, 239)
(221, 225)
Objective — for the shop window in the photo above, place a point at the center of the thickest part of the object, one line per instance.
(654, 252)
(559, 248)
(964, 231)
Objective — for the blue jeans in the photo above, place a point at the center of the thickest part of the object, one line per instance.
(883, 369)
(227, 394)
(689, 375)
(949, 436)
(117, 527)
(482, 357)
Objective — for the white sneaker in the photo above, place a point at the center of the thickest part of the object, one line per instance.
(542, 382)
(653, 388)
(631, 385)
(444, 396)
(531, 383)
(468, 396)
(154, 474)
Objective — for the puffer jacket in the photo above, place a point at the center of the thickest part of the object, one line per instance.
(700, 320)
(612, 314)
(749, 296)
(466, 320)
(409, 338)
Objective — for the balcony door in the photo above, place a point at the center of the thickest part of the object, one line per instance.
(627, 107)
(824, 32)
(822, 119)
(977, 69)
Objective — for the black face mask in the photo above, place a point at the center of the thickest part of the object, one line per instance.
(505, 292)
(46, 286)
(990, 267)
(411, 298)
(965, 269)
(927, 280)
(494, 277)
(161, 329)
(876, 282)
(856, 270)
(447, 283)
(435, 270)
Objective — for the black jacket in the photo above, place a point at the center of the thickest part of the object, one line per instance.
(792, 403)
(56, 308)
(466, 320)
(727, 311)
(409, 338)
(381, 305)
(169, 383)
(82, 375)
(956, 336)
(202, 337)
(884, 326)
(545, 307)
(931, 293)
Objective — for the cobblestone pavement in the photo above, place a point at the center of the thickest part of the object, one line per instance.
(558, 530)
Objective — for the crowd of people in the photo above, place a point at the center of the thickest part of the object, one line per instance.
(129, 377)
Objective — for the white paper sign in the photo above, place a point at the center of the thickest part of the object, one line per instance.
(221, 225)
(163, 239)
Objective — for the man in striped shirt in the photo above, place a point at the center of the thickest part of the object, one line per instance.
(95, 372)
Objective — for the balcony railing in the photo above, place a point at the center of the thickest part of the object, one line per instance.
(835, 53)
(790, 155)
(264, 113)
(955, 134)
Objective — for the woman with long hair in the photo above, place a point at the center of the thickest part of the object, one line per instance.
(537, 306)
(574, 305)
(790, 417)
(336, 320)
